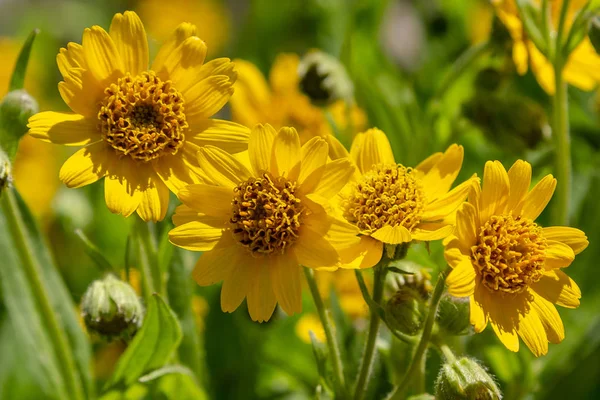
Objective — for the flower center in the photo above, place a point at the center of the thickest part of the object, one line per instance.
(386, 195)
(143, 117)
(266, 214)
(510, 253)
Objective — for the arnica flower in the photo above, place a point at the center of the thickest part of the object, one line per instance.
(141, 127)
(258, 224)
(280, 102)
(393, 204)
(583, 66)
(510, 266)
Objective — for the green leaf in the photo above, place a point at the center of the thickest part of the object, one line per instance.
(17, 80)
(169, 369)
(595, 33)
(30, 286)
(152, 346)
(94, 252)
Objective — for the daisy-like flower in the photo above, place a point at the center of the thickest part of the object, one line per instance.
(258, 224)
(583, 66)
(280, 102)
(507, 264)
(393, 204)
(141, 127)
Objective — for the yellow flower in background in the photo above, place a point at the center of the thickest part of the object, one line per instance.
(141, 127)
(344, 282)
(507, 264)
(210, 17)
(310, 322)
(479, 19)
(36, 163)
(280, 102)
(393, 204)
(258, 224)
(583, 66)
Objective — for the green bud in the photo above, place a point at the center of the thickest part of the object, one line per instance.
(324, 79)
(15, 109)
(465, 379)
(5, 171)
(419, 279)
(594, 33)
(405, 311)
(111, 308)
(453, 315)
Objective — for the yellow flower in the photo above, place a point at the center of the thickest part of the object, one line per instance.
(583, 66)
(210, 17)
(258, 224)
(310, 322)
(347, 291)
(280, 102)
(507, 264)
(141, 127)
(393, 204)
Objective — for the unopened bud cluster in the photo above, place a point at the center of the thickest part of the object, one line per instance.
(324, 79)
(465, 379)
(405, 311)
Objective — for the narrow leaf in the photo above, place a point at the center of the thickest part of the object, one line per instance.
(17, 80)
(94, 252)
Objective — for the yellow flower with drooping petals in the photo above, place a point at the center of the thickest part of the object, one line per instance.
(141, 127)
(280, 102)
(210, 17)
(393, 204)
(510, 266)
(258, 224)
(582, 69)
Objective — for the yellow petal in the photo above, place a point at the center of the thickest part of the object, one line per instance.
(179, 35)
(558, 255)
(237, 284)
(478, 316)
(371, 148)
(284, 73)
(215, 265)
(428, 163)
(252, 94)
(63, 128)
(207, 199)
(572, 237)
(208, 96)
(536, 200)
(466, 228)
(218, 66)
(184, 65)
(285, 154)
(154, 200)
(70, 57)
(519, 176)
(313, 251)
(533, 333)
(449, 202)
(87, 165)
(495, 190)
(438, 180)
(556, 287)
(184, 214)
(553, 325)
(227, 135)
(432, 231)
(221, 167)
(101, 55)
(261, 298)
(461, 280)
(200, 235)
(174, 171)
(314, 157)
(506, 333)
(455, 251)
(340, 234)
(260, 146)
(336, 175)
(81, 92)
(129, 36)
(392, 234)
(364, 255)
(336, 148)
(287, 283)
(121, 187)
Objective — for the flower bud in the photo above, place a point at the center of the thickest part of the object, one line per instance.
(5, 171)
(405, 311)
(453, 315)
(111, 308)
(419, 280)
(15, 109)
(465, 379)
(324, 79)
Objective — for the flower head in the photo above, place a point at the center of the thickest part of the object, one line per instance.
(141, 125)
(281, 102)
(583, 66)
(259, 220)
(509, 265)
(394, 204)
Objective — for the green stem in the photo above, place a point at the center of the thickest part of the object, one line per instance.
(425, 336)
(328, 327)
(147, 258)
(447, 352)
(561, 134)
(368, 359)
(33, 271)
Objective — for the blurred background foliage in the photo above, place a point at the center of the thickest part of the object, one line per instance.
(400, 56)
